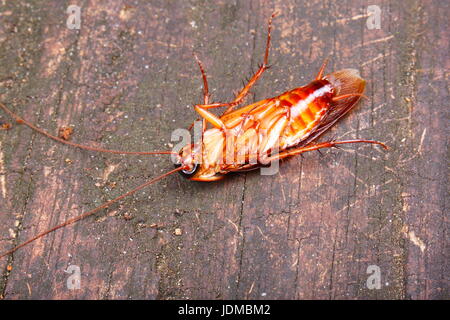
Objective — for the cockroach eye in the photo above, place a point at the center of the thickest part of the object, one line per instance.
(192, 170)
(188, 172)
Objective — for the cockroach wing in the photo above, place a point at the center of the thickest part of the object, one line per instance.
(344, 82)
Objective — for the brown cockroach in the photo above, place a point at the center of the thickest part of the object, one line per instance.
(258, 134)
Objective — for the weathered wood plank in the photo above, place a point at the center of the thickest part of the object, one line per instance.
(127, 78)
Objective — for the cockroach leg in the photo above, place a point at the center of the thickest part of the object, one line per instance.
(209, 117)
(263, 67)
(205, 89)
(205, 80)
(243, 93)
(322, 69)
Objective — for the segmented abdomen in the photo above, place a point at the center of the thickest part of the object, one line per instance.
(307, 105)
(280, 122)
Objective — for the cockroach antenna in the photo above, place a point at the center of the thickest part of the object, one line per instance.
(20, 120)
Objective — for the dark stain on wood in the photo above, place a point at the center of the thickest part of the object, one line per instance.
(127, 78)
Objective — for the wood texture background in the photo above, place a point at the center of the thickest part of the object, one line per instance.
(127, 79)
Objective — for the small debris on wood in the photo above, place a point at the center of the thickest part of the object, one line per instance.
(68, 161)
(127, 216)
(112, 184)
(5, 126)
(178, 232)
(65, 132)
(141, 225)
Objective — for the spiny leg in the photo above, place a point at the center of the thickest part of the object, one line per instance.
(205, 88)
(201, 109)
(329, 144)
(243, 93)
(263, 67)
(205, 80)
(214, 120)
(322, 69)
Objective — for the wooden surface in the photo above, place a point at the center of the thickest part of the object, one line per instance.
(127, 79)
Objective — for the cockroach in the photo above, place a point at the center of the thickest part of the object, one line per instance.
(258, 134)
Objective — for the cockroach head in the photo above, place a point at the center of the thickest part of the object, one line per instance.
(188, 159)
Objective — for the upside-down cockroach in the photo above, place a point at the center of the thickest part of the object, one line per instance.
(256, 134)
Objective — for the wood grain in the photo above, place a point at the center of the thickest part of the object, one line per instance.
(127, 79)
